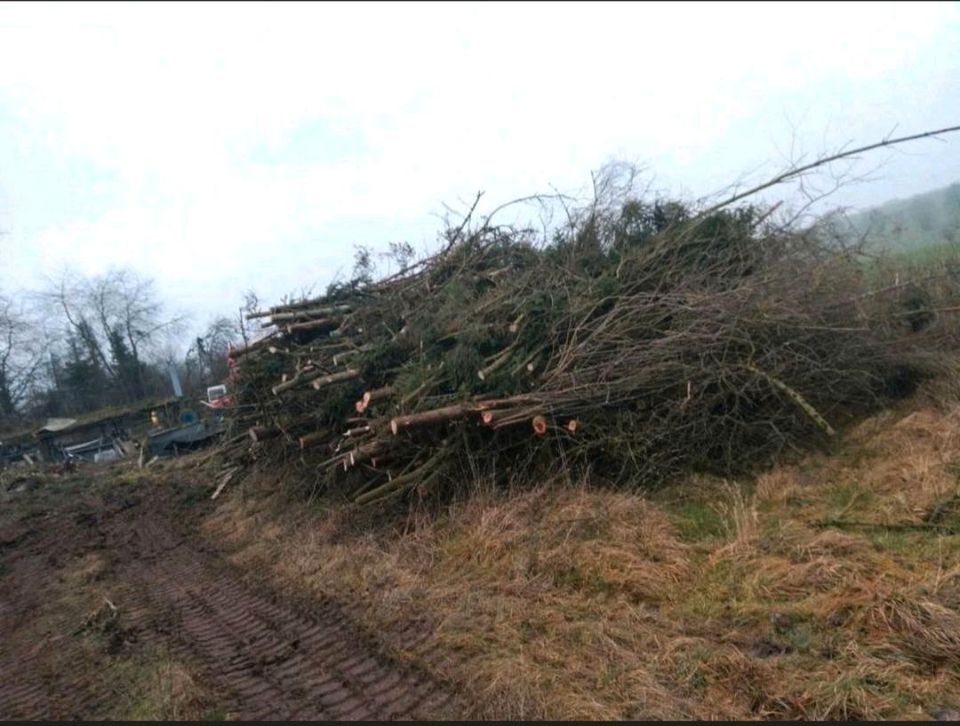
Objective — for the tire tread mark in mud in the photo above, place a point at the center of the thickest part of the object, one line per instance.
(264, 658)
(278, 663)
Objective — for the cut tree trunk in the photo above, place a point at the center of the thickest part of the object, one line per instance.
(498, 418)
(428, 418)
(377, 394)
(299, 380)
(256, 345)
(262, 433)
(316, 438)
(367, 452)
(374, 396)
(347, 375)
(308, 314)
(326, 324)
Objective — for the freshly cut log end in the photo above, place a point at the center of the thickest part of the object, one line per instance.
(376, 395)
(365, 453)
(347, 375)
(360, 406)
(539, 425)
(573, 425)
(498, 418)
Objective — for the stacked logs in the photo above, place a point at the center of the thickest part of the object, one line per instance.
(634, 349)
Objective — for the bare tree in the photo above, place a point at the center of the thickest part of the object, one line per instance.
(119, 319)
(22, 354)
(251, 302)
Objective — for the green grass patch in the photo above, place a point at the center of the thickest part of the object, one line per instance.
(714, 594)
(691, 671)
(697, 521)
(585, 580)
(846, 499)
(155, 687)
(916, 547)
(192, 496)
(800, 637)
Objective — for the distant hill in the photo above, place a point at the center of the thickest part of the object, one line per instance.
(931, 219)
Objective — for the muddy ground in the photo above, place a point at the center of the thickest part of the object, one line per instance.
(826, 588)
(112, 605)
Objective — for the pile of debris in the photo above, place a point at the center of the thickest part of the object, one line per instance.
(640, 340)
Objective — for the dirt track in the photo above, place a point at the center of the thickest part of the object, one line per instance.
(264, 659)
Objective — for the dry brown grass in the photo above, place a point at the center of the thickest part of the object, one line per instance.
(708, 600)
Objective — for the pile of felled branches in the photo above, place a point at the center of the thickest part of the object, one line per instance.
(640, 341)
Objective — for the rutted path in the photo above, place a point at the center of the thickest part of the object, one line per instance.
(264, 659)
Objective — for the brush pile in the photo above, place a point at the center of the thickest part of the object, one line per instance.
(640, 340)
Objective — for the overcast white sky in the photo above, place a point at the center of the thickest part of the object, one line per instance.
(225, 146)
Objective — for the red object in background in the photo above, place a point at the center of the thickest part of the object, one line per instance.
(222, 402)
(234, 370)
